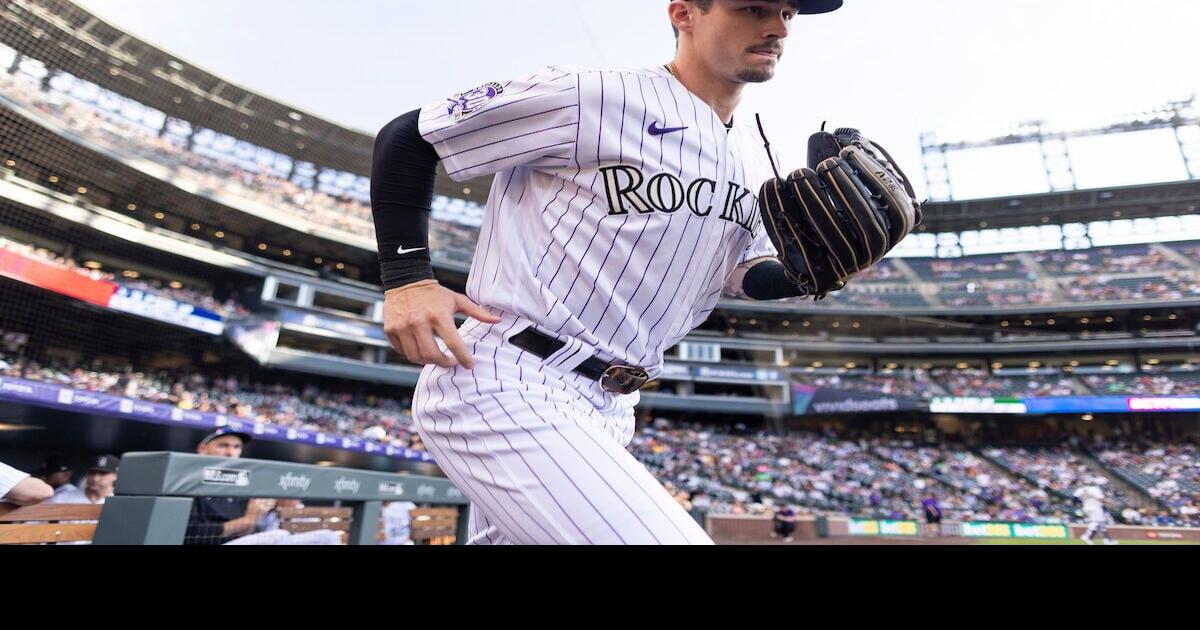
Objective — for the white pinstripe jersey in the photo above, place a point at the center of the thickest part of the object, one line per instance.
(601, 224)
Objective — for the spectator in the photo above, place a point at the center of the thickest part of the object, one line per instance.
(785, 523)
(21, 489)
(933, 513)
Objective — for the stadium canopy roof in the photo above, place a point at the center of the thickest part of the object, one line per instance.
(1057, 208)
(55, 30)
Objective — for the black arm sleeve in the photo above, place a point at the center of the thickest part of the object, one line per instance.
(768, 281)
(403, 170)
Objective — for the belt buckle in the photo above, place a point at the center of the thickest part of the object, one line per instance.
(623, 379)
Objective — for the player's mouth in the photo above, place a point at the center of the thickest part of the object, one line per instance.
(767, 53)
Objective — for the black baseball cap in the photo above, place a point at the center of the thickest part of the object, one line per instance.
(105, 463)
(813, 7)
(53, 464)
(225, 431)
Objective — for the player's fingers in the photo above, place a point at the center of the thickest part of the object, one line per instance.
(465, 305)
(397, 343)
(428, 349)
(455, 343)
(400, 342)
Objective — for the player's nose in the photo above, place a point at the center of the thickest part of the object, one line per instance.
(778, 27)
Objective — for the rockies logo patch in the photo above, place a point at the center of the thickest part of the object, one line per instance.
(462, 105)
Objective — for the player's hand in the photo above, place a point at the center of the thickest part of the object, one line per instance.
(414, 314)
(261, 506)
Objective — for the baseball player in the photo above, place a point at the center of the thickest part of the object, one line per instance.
(1092, 497)
(624, 206)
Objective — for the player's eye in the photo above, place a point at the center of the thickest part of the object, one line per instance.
(755, 11)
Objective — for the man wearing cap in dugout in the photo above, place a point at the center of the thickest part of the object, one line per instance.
(218, 520)
(57, 473)
(98, 483)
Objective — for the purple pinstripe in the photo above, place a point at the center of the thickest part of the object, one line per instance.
(482, 462)
(475, 379)
(583, 212)
(510, 139)
(645, 224)
(513, 155)
(487, 248)
(593, 469)
(496, 273)
(661, 237)
(574, 182)
(685, 275)
(466, 445)
(622, 468)
(620, 159)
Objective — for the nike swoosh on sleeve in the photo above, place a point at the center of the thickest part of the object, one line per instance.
(402, 251)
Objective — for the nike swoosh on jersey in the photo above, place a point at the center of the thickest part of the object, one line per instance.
(408, 251)
(655, 130)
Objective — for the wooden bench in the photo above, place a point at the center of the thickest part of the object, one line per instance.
(434, 526)
(308, 519)
(42, 524)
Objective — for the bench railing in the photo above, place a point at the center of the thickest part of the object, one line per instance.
(41, 524)
(155, 494)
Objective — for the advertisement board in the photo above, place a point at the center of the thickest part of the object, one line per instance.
(866, 527)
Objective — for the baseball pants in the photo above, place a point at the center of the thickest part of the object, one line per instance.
(540, 450)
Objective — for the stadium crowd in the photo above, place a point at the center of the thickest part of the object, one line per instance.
(225, 177)
(878, 477)
(972, 268)
(981, 492)
(725, 472)
(381, 419)
(1170, 473)
(196, 297)
(1061, 469)
(835, 475)
(986, 280)
(1106, 261)
(1174, 285)
(883, 384)
(1143, 384)
(994, 293)
(980, 383)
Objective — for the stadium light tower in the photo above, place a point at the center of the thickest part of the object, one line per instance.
(1180, 116)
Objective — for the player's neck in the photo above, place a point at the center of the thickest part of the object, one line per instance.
(721, 95)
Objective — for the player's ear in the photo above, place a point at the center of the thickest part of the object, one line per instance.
(680, 13)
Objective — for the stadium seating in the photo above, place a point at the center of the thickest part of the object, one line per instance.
(1126, 273)
(1144, 384)
(196, 297)
(1170, 473)
(830, 474)
(990, 267)
(1106, 260)
(887, 478)
(871, 384)
(977, 383)
(379, 419)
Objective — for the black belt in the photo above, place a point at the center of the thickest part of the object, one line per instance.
(616, 379)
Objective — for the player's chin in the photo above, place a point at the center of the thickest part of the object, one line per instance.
(760, 74)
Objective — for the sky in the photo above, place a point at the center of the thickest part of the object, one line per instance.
(960, 68)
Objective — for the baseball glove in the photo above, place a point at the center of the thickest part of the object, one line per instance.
(840, 215)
